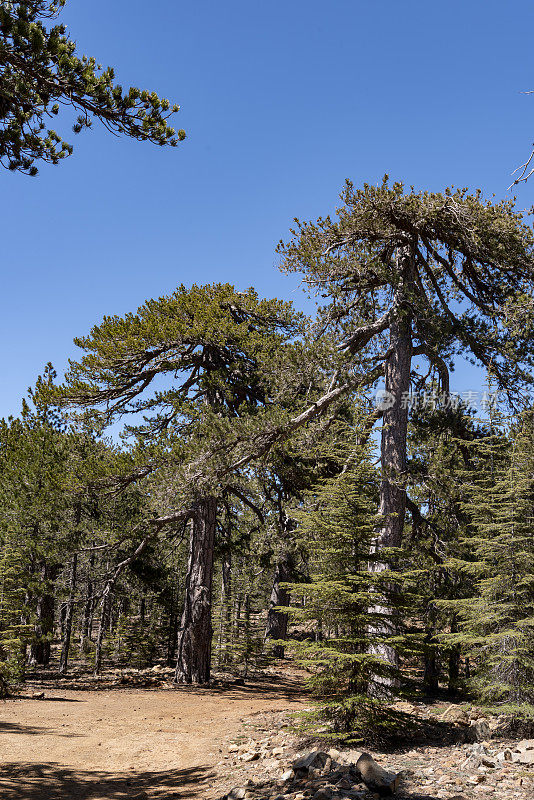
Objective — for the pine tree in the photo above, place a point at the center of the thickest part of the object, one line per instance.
(426, 274)
(497, 623)
(14, 633)
(41, 71)
(217, 349)
(336, 527)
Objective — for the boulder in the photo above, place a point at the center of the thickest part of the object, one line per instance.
(478, 731)
(376, 777)
(455, 714)
(315, 760)
(236, 794)
(524, 744)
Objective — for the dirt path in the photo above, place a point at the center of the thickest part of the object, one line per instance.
(118, 744)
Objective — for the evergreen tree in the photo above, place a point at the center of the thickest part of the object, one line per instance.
(218, 350)
(40, 72)
(426, 274)
(497, 623)
(335, 527)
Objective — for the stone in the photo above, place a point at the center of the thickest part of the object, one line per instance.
(525, 744)
(376, 777)
(237, 794)
(250, 756)
(455, 714)
(316, 759)
(479, 731)
(287, 775)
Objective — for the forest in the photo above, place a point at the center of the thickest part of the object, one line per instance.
(281, 482)
(222, 487)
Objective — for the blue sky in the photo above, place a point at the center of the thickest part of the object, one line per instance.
(281, 102)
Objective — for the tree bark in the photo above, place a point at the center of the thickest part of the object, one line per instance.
(432, 668)
(225, 621)
(277, 620)
(44, 626)
(392, 502)
(63, 661)
(104, 624)
(194, 637)
(454, 662)
(89, 607)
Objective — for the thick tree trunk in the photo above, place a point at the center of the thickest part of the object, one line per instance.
(277, 620)
(195, 634)
(392, 503)
(44, 626)
(67, 628)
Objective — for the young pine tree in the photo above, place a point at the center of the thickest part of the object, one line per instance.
(497, 625)
(336, 527)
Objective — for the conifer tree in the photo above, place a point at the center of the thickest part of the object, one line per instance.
(40, 72)
(218, 349)
(425, 274)
(497, 622)
(335, 527)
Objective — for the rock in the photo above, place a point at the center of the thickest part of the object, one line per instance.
(236, 794)
(316, 759)
(287, 775)
(478, 731)
(376, 777)
(250, 756)
(38, 696)
(526, 757)
(455, 714)
(323, 794)
(524, 744)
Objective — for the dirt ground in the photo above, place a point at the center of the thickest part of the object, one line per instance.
(126, 743)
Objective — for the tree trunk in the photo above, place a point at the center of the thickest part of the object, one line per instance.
(277, 620)
(195, 634)
(392, 502)
(246, 635)
(454, 662)
(44, 626)
(63, 662)
(431, 672)
(89, 607)
(104, 624)
(225, 621)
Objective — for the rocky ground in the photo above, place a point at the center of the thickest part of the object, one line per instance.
(475, 759)
(134, 735)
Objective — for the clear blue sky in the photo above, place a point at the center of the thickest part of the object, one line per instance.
(281, 102)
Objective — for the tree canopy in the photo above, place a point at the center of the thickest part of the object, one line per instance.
(41, 72)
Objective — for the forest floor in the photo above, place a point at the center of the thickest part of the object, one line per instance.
(76, 739)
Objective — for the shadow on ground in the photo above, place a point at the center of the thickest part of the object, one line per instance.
(52, 782)
(258, 686)
(14, 727)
